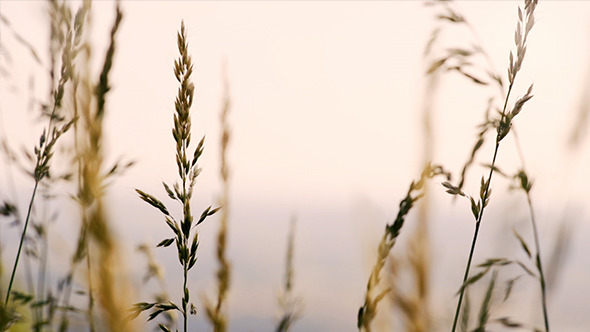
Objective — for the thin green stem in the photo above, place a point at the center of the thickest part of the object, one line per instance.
(185, 300)
(471, 251)
(480, 215)
(22, 240)
(38, 176)
(536, 236)
(538, 261)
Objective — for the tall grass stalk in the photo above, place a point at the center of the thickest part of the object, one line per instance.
(186, 237)
(57, 124)
(369, 309)
(97, 240)
(82, 98)
(289, 305)
(411, 300)
(414, 305)
(215, 313)
(526, 185)
(538, 264)
(525, 23)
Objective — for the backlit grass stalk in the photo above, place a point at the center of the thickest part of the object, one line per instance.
(82, 99)
(369, 309)
(417, 309)
(411, 300)
(415, 306)
(100, 247)
(57, 124)
(215, 313)
(525, 23)
(83, 197)
(526, 185)
(290, 305)
(186, 236)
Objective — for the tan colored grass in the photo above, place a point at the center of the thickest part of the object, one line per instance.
(373, 295)
(107, 276)
(65, 43)
(216, 313)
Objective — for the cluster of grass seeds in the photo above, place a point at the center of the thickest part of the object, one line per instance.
(369, 309)
(461, 60)
(290, 305)
(186, 236)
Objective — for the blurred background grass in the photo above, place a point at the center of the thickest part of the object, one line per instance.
(326, 124)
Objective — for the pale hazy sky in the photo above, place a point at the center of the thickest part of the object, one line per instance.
(326, 100)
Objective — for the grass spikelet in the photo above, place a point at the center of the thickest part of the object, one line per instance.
(289, 304)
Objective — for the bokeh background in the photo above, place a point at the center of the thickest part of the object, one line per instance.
(326, 128)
